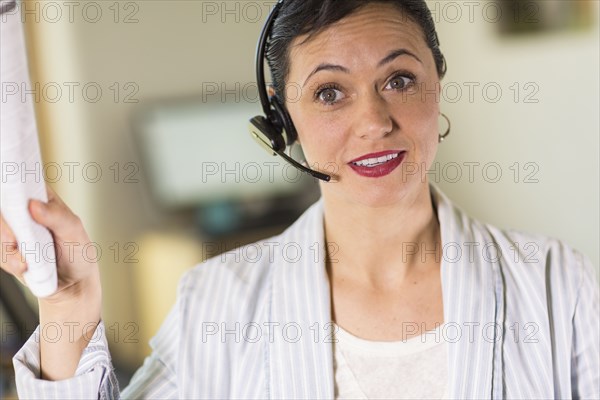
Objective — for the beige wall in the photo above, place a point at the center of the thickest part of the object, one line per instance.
(170, 51)
(559, 134)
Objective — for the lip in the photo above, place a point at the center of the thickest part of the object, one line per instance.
(380, 170)
(376, 155)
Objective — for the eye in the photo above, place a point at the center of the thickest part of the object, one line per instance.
(401, 82)
(329, 94)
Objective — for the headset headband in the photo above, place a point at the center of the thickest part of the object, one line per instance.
(260, 60)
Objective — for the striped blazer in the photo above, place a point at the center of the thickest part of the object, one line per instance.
(521, 316)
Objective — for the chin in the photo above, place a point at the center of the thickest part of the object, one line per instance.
(375, 192)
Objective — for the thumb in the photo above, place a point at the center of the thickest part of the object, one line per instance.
(51, 214)
(38, 210)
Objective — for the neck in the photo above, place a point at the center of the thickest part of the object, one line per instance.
(384, 245)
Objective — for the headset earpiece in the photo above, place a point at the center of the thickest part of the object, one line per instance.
(284, 119)
(269, 131)
(267, 134)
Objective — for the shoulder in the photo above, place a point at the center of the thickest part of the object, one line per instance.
(535, 262)
(239, 276)
(522, 256)
(522, 249)
(244, 274)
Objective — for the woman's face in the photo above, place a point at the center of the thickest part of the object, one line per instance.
(368, 88)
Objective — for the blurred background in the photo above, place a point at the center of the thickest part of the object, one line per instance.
(142, 109)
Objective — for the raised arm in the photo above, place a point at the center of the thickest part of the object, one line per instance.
(68, 355)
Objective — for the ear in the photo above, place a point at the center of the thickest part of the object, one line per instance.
(270, 90)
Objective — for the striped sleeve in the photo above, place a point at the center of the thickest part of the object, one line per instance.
(94, 377)
(157, 378)
(585, 356)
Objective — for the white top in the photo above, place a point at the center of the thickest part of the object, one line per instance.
(415, 368)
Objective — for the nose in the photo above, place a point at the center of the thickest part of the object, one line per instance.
(373, 119)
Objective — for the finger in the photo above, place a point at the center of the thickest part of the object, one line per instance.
(10, 257)
(55, 202)
(55, 216)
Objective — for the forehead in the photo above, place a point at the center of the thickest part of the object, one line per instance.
(360, 39)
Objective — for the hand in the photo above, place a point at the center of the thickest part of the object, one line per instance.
(78, 298)
(78, 272)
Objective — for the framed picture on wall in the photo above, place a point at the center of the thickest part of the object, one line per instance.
(538, 16)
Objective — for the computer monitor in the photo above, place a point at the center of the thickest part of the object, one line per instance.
(196, 153)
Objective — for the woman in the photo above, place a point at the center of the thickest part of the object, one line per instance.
(340, 304)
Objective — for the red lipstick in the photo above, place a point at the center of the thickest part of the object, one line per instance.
(376, 165)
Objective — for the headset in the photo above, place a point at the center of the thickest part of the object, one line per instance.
(268, 130)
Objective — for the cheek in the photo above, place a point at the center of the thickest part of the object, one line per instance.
(420, 124)
(427, 120)
(418, 120)
(319, 137)
(430, 137)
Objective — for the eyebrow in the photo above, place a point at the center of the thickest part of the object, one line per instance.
(386, 60)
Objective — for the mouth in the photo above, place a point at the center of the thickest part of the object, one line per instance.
(376, 165)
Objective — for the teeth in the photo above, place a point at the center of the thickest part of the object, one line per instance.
(372, 162)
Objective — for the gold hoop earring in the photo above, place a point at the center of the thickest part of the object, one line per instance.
(442, 137)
